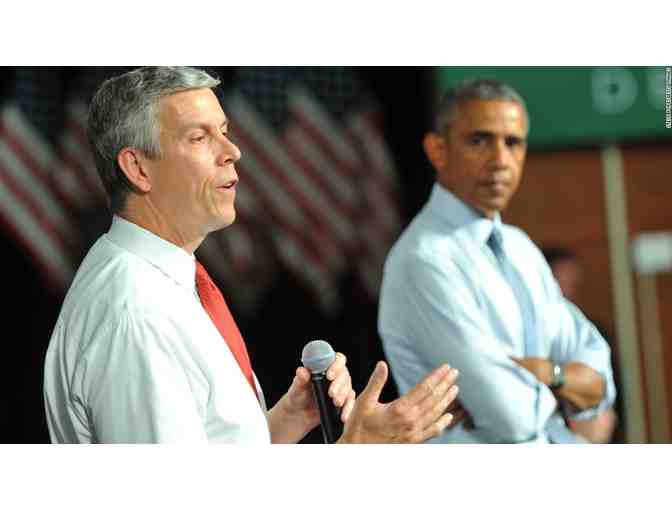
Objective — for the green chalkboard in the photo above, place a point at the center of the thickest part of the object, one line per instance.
(582, 105)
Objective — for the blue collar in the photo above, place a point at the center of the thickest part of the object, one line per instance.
(449, 209)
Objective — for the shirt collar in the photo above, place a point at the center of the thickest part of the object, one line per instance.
(450, 209)
(164, 255)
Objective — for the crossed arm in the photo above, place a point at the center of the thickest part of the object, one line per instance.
(507, 401)
(584, 387)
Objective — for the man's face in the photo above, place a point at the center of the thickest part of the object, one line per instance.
(480, 158)
(194, 181)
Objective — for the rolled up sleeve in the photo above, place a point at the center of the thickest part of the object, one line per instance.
(579, 340)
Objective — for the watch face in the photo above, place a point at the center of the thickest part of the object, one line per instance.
(558, 377)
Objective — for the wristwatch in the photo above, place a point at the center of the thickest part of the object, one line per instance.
(558, 379)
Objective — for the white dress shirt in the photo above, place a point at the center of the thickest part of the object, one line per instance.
(444, 299)
(134, 357)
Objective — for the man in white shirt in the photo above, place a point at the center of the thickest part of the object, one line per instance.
(135, 356)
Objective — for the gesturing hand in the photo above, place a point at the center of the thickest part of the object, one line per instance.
(414, 418)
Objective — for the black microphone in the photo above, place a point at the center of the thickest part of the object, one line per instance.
(317, 356)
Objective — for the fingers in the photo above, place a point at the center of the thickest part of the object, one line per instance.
(376, 383)
(437, 393)
(423, 411)
(348, 406)
(341, 382)
(302, 375)
(436, 428)
(433, 409)
(337, 366)
(428, 385)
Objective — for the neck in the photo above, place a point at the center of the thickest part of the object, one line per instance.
(146, 215)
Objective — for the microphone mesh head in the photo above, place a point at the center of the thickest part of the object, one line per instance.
(317, 356)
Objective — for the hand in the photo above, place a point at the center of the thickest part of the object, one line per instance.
(597, 430)
(541, 368)
(417, 416)
(300, 401)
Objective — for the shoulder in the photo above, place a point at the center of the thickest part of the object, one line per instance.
(113, 287)
(428, 259)
(424, 241)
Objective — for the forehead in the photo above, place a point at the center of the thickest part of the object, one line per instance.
(497, 116)
(198, 106)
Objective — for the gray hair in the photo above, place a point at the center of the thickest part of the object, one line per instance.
(489, 90)
(124, 112)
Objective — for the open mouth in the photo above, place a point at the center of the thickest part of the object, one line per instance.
(229, 185)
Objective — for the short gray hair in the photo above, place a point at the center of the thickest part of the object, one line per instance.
(484, 89)
(124, 112)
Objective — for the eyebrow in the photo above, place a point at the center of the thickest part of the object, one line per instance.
(200, 125)
(480, 132)
(490, 134)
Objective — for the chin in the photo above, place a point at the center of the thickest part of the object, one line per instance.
(499, 204)
(222, 221)
(228, 219)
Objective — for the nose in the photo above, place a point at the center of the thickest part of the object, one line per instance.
(500, 153)
(228, 152)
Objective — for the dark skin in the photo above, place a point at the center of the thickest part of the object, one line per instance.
(480, 159)
(583, 388)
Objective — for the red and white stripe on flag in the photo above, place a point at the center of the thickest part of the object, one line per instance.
(309, 136)
(304, 230)
(33, 206)
(358, 173)
(381, 223)
(76, 157)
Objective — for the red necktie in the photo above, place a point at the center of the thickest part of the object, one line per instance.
(213, 302)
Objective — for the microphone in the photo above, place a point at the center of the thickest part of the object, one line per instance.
(316, 357)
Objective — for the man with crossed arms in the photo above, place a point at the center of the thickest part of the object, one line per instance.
(460, 285)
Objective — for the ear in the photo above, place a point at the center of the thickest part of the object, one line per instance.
(435, 148)
(131, 162)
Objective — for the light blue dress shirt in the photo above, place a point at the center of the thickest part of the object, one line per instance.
(444, 299)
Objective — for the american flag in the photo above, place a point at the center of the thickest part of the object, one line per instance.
(314, 156)
(46, 170)
(345, 122)
(35, 202)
